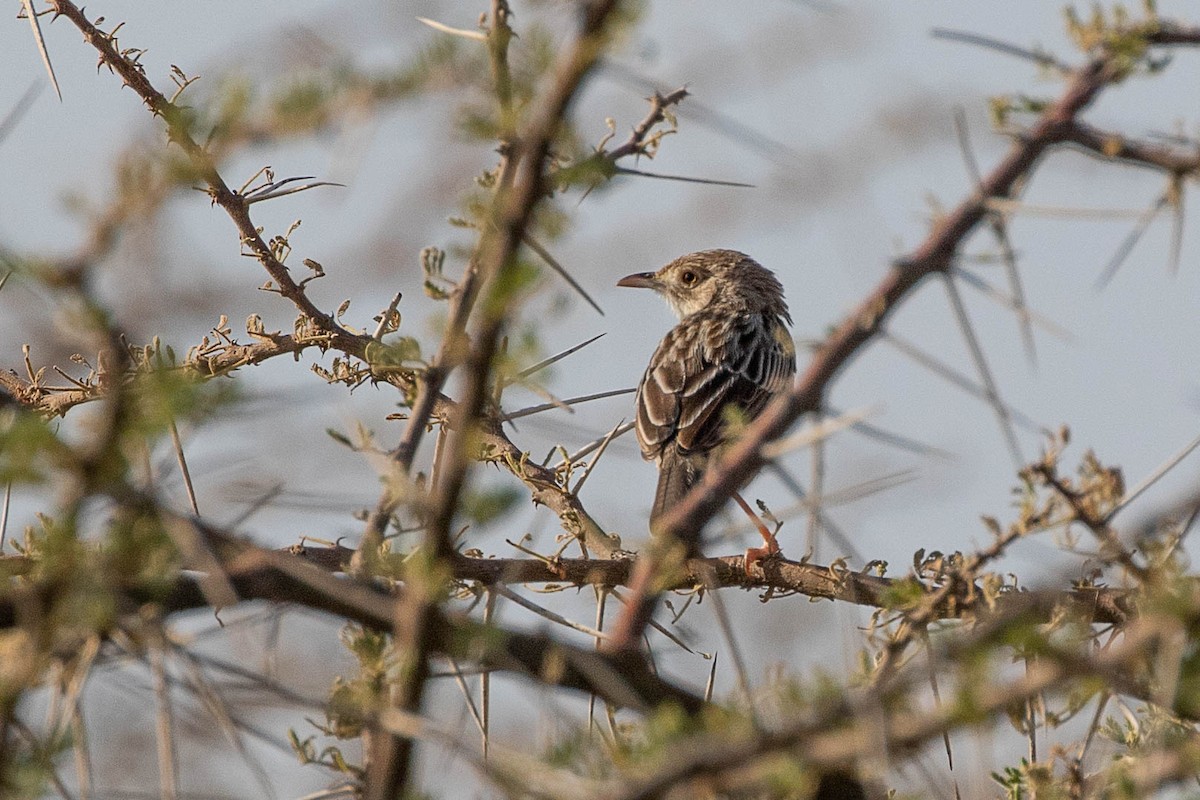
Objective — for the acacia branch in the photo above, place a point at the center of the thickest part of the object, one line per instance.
(177, 121)
(780, 577)
(57, 401)
(259, 574)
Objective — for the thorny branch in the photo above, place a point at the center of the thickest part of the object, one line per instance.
(258, 574)
(234, 204)
(780, 577)
(621, 677)
(521, 185)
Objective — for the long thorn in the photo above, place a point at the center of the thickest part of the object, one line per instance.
(41, 45)
(599, 453)
(1177, 193)
(164, 727)
(839, 538)
(183, 469)
(712, 680)
(1130, 241)
(1153, 478)
(466, 692)
(545, 613)
(985, 372)
(591, 446)
(17, 112)
(1009, 302)
(477, 36)
(817, 482)
(988, 43)
(739, 664)
(1000, 231)
(485, 680)
(950, 374)
(525, 412)
(815, 433)
(4, 514)
(683, 178)
(551, 262)
(601, 602)
(897, 440)
(541, 365)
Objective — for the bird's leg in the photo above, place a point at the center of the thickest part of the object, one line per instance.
(771, 546)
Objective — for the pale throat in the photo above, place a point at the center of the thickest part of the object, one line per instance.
(688, 304)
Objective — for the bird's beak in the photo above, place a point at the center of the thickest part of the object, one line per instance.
(639, 280)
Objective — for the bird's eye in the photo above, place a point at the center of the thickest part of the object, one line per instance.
(689, 278)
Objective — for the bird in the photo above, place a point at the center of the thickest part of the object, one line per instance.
(730, 354)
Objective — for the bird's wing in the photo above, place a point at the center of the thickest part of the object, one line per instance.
(692, 378)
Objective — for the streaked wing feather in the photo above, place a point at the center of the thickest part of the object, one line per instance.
(690, 381)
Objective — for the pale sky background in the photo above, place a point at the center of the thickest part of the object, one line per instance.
(859, 102)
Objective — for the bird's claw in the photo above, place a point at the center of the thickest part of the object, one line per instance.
(756, 554)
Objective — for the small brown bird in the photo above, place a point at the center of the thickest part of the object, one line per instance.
(728, 356)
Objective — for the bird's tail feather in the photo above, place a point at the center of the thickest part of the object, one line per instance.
(677, 474)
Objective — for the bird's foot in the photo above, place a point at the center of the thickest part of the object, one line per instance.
(756, 554)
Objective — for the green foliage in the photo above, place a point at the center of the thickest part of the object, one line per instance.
(352, 702)
(1117, 34)
(401, 354)
(29, 447)
(488, 505)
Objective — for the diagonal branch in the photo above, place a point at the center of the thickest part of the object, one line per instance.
(234, 204)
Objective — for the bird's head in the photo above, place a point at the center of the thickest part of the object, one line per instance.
(716, 279)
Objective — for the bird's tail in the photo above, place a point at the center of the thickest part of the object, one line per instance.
(677, 474)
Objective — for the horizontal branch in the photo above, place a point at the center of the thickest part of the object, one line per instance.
(625, 680)
(56, 401)
(1100, 605)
